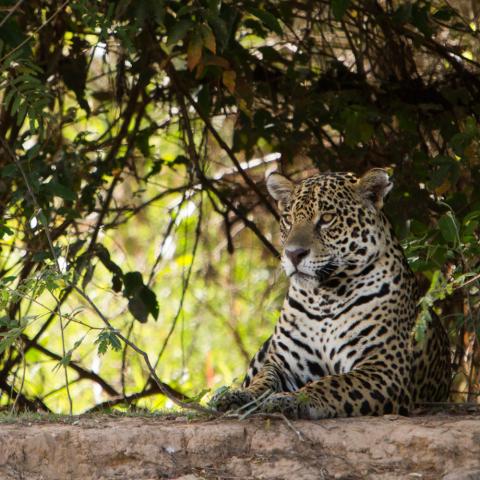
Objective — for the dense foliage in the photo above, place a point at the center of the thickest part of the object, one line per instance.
(134, 137)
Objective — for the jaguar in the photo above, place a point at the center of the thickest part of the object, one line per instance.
(344, 344)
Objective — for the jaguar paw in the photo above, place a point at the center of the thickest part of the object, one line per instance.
(286, 403)
(228, 399)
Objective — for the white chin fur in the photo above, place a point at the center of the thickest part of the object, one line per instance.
(287, 266)
(293, 274)
(302, 279)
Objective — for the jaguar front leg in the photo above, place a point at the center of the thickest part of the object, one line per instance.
(366, 391)
(266, 380)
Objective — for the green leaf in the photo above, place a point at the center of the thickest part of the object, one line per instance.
(142, 141)
(423, 319)
(339, 8)
(194, 50)
(104, 256)
(132, 281)
(141, 300)
(208, 38)
(51, 282)
(59, 190)
(9, 338)
(444, 13)
(205, 100)
(13, 35)
(22, 112)
(40, 256)
(220, 28)
(156, 168)
(178, 31)
(9, 170)
(157, 9)
(138, 309)
(74, 69)
(64, 362)
(8, 96)
(43, 219)
(356, 124)
(199, 396)
(15, 104)
(185, 10)
(87, 278)
(420, 19)
(402, 14)
(269, 20)
(8, 323)
(448, 227)
(214, 6)
(106, 339)
(6, 343)
(4, 230)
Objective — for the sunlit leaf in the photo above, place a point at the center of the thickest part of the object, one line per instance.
(229, 80)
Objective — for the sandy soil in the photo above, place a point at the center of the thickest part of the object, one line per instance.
(424, 447)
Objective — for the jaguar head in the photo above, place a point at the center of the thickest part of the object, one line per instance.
(331, 222)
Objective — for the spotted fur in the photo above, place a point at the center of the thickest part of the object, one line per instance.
(343, 345)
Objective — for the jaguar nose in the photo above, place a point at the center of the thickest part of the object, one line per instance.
(296, 255)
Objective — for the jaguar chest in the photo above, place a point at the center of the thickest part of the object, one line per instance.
(322, 333)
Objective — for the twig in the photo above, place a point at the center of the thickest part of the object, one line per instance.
(259, 402)
(59, 389)
(127, 399)
(11, 12)
(256, 401)
(468, 282)
(255, 405)
(22, 382)
(167, 233)
(64, 352)
(124, 360)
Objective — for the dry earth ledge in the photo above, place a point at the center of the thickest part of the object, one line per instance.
(425, 447)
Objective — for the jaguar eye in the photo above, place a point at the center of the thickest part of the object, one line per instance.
(326, 219)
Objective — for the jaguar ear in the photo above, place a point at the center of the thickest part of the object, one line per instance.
(280, 188)
(374, 186)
